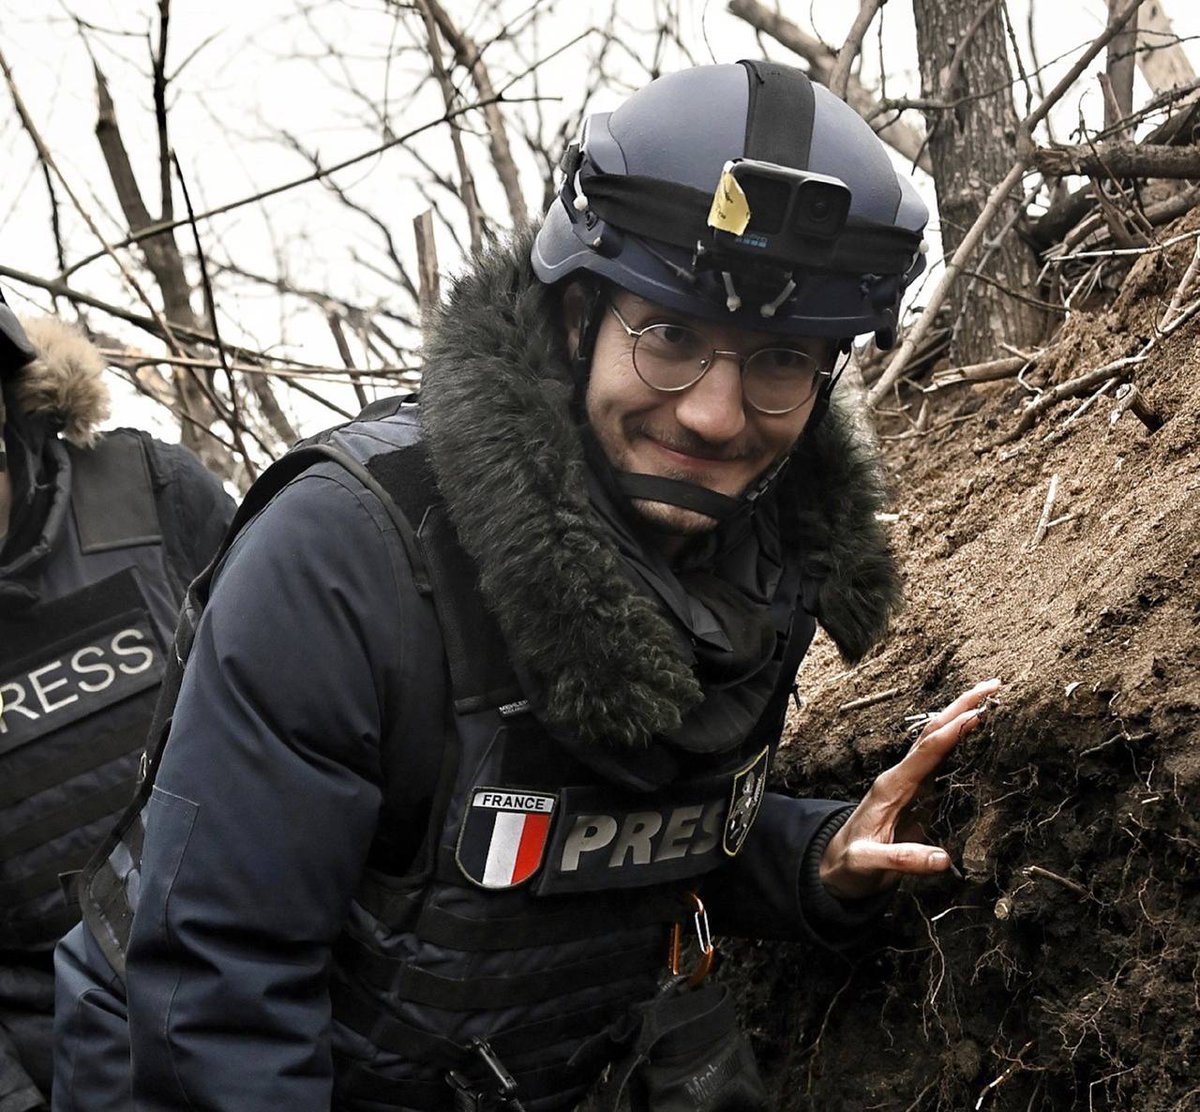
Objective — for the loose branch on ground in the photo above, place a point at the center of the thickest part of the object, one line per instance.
(869, 700)
(1043, 524)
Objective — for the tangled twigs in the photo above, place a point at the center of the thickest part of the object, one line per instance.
(1072, 389)
(995, 199)
(1182, 289)
(1118, 369)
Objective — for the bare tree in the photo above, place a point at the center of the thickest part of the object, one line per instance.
(967, 83)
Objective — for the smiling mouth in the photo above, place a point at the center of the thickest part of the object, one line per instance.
(693, 453)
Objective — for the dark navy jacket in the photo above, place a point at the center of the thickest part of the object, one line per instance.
(265, 810)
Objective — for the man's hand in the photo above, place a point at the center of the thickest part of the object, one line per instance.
(865, 856)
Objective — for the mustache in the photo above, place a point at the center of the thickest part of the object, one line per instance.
(682, 440)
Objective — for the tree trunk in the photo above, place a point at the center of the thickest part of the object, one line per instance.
(964, 64)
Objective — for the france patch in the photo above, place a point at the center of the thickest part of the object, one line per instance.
(504, 835)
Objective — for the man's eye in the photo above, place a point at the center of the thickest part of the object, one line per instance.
(674, 341)
(673, 335)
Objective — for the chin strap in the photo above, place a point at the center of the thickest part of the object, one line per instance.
(676, 492)
(691, 496)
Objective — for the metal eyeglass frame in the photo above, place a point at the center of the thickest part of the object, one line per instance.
(636, 334)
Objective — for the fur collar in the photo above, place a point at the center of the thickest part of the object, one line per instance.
(508, 459)
(65, 383)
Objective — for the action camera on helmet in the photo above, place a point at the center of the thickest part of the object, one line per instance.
(791, 217)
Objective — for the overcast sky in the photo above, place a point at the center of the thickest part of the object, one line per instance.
(256, 71)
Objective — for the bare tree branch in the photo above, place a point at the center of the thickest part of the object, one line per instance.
(283, 187)
(48, 160)
(839, 76)
(468, 55)
(467, 188)
(1121, 160)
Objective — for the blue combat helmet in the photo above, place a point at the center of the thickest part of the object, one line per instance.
(742, 193)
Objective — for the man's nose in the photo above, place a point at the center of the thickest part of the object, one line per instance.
(713, 408)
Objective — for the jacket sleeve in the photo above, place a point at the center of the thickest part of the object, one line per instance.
(264, 808)
(771, 889)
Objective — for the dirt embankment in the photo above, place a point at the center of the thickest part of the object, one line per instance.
(1063, 970)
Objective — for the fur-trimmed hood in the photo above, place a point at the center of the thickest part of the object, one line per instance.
(65, 383)
(508, 458)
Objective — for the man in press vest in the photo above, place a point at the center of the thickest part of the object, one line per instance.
(481, 703)
(99, 536)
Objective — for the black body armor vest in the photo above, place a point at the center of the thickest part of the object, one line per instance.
(533, 907)
(83, 626)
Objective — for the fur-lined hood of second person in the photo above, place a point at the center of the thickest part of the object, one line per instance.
(64, 385)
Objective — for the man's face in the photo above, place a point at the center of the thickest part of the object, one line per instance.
(707, 434)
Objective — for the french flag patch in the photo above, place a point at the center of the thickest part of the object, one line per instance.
(504, 836)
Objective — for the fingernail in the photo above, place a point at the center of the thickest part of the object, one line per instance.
(939, 859)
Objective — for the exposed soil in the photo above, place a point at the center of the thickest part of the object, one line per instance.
(1063, 970)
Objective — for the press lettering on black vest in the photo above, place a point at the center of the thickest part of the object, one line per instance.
(641, 837)
(77, 678)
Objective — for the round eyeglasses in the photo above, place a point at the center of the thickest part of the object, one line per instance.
(673, 357)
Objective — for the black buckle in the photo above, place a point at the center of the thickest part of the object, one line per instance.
(496, 1093)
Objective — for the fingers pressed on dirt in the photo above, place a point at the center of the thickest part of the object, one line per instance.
(900, 857)
(930, 750)
(968, 700)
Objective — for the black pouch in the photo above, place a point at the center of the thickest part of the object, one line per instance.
(686, 1054)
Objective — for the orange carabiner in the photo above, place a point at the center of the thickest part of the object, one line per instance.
(704, 962)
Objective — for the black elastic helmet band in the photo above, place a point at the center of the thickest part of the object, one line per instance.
(678, 214)
(779, 114)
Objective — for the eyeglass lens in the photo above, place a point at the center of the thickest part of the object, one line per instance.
(774, 380)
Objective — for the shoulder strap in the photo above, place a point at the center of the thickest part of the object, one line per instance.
(112, 497)
(102, 882)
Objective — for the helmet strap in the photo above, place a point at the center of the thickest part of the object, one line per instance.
(676, 492)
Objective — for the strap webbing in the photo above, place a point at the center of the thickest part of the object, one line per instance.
(677, 214)
(548, 928)
(480, 672)
(64, 820)
(779, 117)
(355, 1008)
(420, 986)
(75, 761)
(657, 488)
